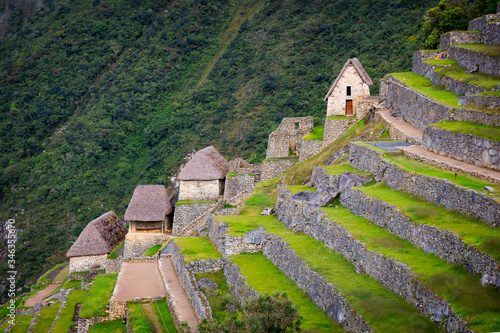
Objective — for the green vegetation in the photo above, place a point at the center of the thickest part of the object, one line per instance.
(470, 230)
(341, 117)
(451, 282)
(289, 158)
(194, 202)
(340, 169)
(138, 321)
(116, 93)
(299, 188)
(77, 284)
(492, 50)
(268, 279)
(490, 93)
(451, 68)
(461, 179)
(372, 147)
(488, 132)
(229, 206)
(66, 319)
(113, 326)
(220, 297)
(99, 295)
(423, 85)
(196, 248)
(61, 276)
(22, 324)
(44, 279)
(152, 250)
(113, 254)
(47, 316)
(453, 15)
(164, 316)
(316, 134)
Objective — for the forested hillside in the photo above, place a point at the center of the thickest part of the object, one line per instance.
(100, 96)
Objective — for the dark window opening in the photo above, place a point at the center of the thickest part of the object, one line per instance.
(348, 90)
(297, 126)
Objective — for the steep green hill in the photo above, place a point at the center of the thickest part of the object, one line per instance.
(100, 96)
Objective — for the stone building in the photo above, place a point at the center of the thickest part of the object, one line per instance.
(204, 176)
(288, 137)
(351, 86)
(95, 242)
(148, 210)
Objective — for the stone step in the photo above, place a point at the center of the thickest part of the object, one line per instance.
(399, 130)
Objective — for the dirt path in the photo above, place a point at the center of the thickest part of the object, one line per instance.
(40, 295)
(403, 126)
(177, 293)
(138, 280)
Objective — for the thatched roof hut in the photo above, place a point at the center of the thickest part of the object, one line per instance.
(206, 164)
(359, 68)
(149, 203)
(100, 236)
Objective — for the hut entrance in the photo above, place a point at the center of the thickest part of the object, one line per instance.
(348, 107)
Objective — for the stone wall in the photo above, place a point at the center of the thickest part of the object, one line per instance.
(198, 300)
(415, 107)
(288, 136)
(137, 244)
(271, 169)
(237, 284)
(85, 263)
(473, 60)
(237, 188)
(232, 245)
(335, 128)
(149, 227)
(448, 39)
(205, 265)
(443, 243)
(485, 102)
(490, 30)
(393, 275)
(451, 84)
(435, 190)
(323, 293)
(336, 103)
(463, 146)
(186, 215)
(310, 148)
(489, 119)
(113, 265)
(200, 189)
(320, 178)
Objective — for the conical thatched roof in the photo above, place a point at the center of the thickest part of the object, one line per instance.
(149, 203)
(359, 68)
(99, 236)
(206, 164)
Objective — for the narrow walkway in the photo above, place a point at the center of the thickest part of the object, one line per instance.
(401, 126)
(421, 154)
(41, 294)
(138, 280)
(177, 294)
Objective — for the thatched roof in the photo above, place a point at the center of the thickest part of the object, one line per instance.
(149, 203)
(359, 68)
(206, 164)
(100, 236)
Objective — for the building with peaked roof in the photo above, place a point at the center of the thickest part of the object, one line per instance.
(350, 86)
(95, 242)
(204, 176)
(148, 209)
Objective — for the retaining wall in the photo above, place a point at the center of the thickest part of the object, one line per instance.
(490, 30)
(393, 275)
(310, 148)
(186, 215)
(271, 169)
(237, 187)
(230, 245)
(473, 60)
(237, 284)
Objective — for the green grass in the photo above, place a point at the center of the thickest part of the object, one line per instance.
(275, 159)
(217, 298)
(66, 319)
(377, 149)
(299, 188)
(99, 295)
(194, 202)
(196, 248)
(62, 275)
(113, 254)
(423, 85)
(137, 320)
(113, 326)
(77, 284)
(464, 180)
(470, 230)
(481, 306)
(268, 279)
(484, 80)
(341, 117)
(442, 62)
(22, 324)
(316, 134)
(340, 169)
(492, 50)
(164, 315)
(490, 93)
(43, 278)
(488, 132)
(152, 250)
(46, 318)
(229, 206)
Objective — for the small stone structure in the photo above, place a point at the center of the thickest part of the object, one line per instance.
(95, 242)
(148, 210)
(137, 244)
(239, 188)
(288, 137)
(203, 176)
(187, 215)
(352, 84)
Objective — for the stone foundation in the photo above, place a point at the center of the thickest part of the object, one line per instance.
(310, 148)
(85, 263)
(137, 244)
(271, 169)
(238, 188)
(185, 216)
(335, 128)
(205, 190)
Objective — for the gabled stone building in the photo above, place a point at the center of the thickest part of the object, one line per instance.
(95, 242)
(351, 86)
(148, 210)
(204, 176)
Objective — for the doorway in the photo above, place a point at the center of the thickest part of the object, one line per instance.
(348, 107)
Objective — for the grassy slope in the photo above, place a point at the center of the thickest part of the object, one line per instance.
(492, 50)
(464, 292)
(114, 326)
(99, 295)
(138, 321)
(46, 318)
(488, 132)
(196, 248)
(66, 319)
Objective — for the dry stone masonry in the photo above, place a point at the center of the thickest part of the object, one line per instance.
(186, 215)
(232, 245)
(288, 136)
